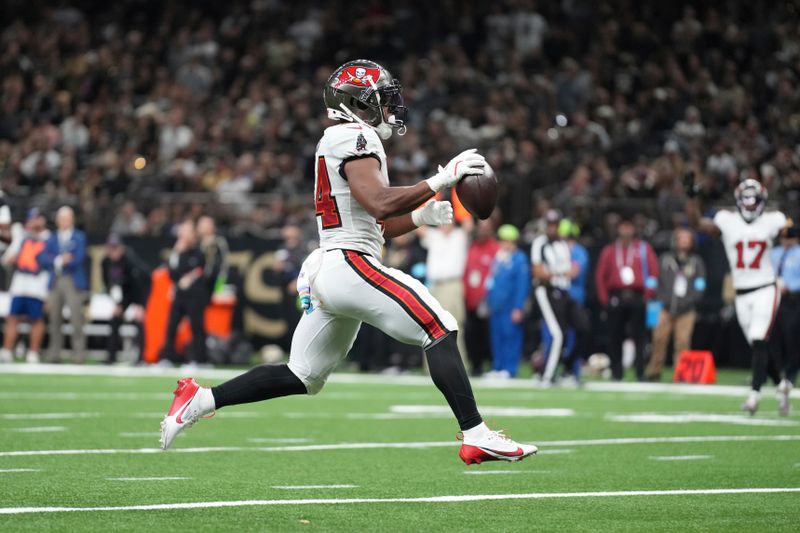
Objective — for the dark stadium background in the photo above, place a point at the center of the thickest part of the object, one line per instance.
(595, 121)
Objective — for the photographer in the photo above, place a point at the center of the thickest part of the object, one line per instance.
(190, 296)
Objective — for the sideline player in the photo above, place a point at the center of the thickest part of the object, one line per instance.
(343, 283)
(747, 237)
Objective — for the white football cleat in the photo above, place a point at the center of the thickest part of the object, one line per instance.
(494, 446)
(750, 405)
(191, 402)
(782, 394)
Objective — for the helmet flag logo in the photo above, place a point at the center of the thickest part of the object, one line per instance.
(358, 76)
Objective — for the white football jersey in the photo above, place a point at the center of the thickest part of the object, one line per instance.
(341, 221)
(748, 246)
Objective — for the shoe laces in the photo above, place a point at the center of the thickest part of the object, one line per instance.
(499, 435)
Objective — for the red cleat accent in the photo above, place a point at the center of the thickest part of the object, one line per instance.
(187, 388)
(477, 455)
(473, 454)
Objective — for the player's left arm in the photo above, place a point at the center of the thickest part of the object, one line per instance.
(433, 213)
(396, 226)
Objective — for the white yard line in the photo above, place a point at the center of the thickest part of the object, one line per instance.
(375, 379)
(430, 499)
(487, 410)
(422, 412)
(555, 451)
(278, 440)
(37, 429)
(403, 445)
(680, 457)
(293, 487)
(687, 418)
(166, 478)
(16, 470)
(47, 416)
(127, 396)
(502, 472)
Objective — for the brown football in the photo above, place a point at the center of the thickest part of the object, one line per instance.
(478, 194)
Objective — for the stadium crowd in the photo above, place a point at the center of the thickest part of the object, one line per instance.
(141, 114)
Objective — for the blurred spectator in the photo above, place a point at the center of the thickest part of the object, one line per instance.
(28, 287)
(681, 284)
(175, 135)
(447, 256)
(64, 256)
(553, 272)
(177, 98)
(123, 280)
(190, 295)
(215, 250)
(624, 279)
(176, 105)
(785, 341)
(129, 221)
(10, 231)
(480, 257)
(404, 253)
(507, 293)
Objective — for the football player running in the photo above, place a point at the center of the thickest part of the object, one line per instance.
(747, 236)
(343, 283)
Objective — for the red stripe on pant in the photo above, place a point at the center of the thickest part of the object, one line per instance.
(429, 322)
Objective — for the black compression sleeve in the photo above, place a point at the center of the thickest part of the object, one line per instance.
(260, 383)
(450, 377)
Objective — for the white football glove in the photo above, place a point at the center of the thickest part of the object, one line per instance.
(468, 162)
(434, 213)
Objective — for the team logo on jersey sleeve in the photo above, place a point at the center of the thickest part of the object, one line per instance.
(361, 143)
(358, 76)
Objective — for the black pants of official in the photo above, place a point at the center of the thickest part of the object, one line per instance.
(476, 341)
(626, 319)
(568, 315)
(785, 339)
(190, 304)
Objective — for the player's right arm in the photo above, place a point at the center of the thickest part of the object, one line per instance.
(698, 221)
(383, 201)
(378, 199)
(693, 209)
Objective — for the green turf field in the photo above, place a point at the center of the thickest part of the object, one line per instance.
(380, 455)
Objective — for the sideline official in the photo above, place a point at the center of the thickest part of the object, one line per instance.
(553, 272)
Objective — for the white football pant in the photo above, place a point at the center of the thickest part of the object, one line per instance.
(348, 288)
(756, 312)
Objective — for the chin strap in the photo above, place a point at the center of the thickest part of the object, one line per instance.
(384, 129)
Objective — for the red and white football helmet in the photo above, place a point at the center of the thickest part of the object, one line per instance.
(751, 199)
